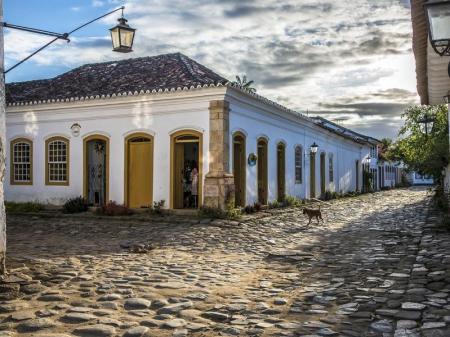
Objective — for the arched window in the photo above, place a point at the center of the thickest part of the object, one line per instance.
(57, 161)
(21, 162)
(298, 165)
(331, 167)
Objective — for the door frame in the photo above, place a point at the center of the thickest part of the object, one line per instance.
(85, 163)
(266, 173)
(173, 136)
(281, 176)
(243, 165)
(127, 164)
(323, 173)
(312, 175)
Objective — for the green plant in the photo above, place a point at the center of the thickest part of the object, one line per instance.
(212, 212)
(112, 209)
(158, 207)
(23, 207)
(290, 200)
(75, 205)
(274, 204)
(440, 200)
(424, 152)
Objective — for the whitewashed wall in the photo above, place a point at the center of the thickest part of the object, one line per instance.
(256, 119)
(162, 114)
(159, 115)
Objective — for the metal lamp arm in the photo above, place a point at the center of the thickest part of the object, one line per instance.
(64, 36)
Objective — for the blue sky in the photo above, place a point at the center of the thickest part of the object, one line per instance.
(349, 61)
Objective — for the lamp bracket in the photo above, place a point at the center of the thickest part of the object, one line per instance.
(57, 36)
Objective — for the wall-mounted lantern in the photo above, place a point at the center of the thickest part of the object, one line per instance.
(438, 22)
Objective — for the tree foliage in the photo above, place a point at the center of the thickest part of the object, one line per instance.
(424, 153)
(385, 150)
(244, 83)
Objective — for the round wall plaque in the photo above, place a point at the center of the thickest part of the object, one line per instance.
(252, 158)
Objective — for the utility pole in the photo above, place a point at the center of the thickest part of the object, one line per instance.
(2, 151)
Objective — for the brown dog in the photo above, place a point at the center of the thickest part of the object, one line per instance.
(313, 213)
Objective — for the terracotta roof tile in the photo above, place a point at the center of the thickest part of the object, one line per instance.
(146, 73)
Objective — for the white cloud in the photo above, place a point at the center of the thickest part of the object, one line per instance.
(98, 3)
(299, 52)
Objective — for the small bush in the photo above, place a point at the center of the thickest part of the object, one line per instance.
(23, 207)
(158, 207)
(440, 200)
(211, 212)
(112, 209)
(290, 200)
(75, 205)
(257, 206)
(274, 204)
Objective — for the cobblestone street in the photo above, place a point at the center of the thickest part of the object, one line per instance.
(378, 266)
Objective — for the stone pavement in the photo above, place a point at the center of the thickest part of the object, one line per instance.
(378, 266)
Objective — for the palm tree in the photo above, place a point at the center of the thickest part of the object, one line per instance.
(244, 84)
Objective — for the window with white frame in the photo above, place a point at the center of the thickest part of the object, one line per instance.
(21, 162)
(331, 167)
(57, 154)
(298, 165)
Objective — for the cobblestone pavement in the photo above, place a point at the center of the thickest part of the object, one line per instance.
(378, 266)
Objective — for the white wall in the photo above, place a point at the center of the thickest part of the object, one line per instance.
(255, 120)
(162, 114)
(159, 115)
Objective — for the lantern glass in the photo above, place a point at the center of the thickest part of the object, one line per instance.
(122, 37)
(439, 20)
(314, 148)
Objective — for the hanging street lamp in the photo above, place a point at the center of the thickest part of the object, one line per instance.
(438, 22)
(122, 35)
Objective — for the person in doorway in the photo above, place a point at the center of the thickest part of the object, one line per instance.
(194, 184)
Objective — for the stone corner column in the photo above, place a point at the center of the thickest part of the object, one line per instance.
(219, 182)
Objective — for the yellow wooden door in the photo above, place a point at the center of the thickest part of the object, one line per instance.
(178, 189)
(140, 174)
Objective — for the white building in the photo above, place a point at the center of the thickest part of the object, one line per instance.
(133, 131)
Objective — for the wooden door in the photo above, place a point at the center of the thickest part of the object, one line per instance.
(140, 173)
(322, 175)
(262, 172)
(281, 172)
(178, 176)
(312, 175)
(357, 175)
(239, 170)
(96, 170)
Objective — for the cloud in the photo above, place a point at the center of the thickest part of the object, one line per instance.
(98, 3)
(344, 59)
